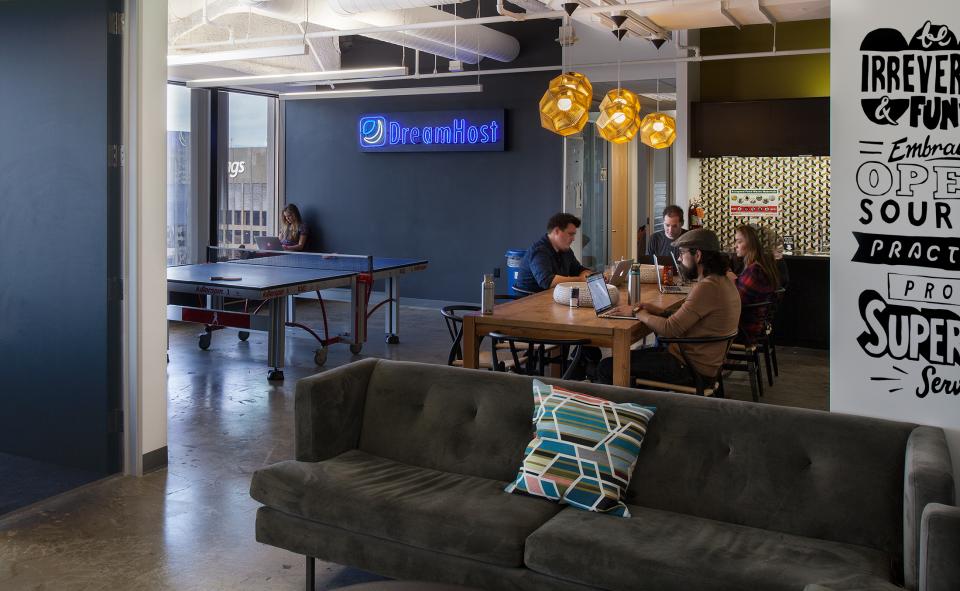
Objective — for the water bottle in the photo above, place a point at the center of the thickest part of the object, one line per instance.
(633, 285)
(486, 305)
(574, 297)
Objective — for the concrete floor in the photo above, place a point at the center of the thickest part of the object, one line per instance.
(191, 526)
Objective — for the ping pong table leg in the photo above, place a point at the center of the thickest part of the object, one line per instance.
(392, 320)
(276, 337)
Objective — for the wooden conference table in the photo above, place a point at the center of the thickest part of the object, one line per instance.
(538, 316)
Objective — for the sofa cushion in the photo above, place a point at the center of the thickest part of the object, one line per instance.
(461, 515)
(659, 550)
(584, 450)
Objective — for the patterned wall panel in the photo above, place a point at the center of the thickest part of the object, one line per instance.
(804, 183)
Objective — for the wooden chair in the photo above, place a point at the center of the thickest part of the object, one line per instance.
(540, 353)
(702, 387)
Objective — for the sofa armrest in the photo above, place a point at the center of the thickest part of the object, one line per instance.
(928, 478)
(940, 548)
(329, 411)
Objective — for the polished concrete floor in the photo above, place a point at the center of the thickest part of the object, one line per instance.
(190, 526)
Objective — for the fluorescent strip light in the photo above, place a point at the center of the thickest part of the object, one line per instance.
(365, 92)
(316, 77)
(187, 59)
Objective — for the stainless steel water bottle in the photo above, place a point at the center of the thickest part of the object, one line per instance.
(633, 285)
(486, 304)
(574, 297)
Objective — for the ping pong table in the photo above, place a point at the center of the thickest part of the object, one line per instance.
(275, 278)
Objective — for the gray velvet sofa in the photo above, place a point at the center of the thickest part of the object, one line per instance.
(400, 469)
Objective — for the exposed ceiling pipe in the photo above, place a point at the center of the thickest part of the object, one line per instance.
(354, 7)
(639, 8)
(655, 60)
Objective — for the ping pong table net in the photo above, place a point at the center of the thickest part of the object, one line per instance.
(362, 264)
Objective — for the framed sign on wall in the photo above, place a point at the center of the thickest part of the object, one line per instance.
(432, 131)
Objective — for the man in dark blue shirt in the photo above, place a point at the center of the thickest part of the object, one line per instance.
(550, 261)
(661, 243)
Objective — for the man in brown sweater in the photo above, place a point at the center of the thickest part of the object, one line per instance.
(712, 309)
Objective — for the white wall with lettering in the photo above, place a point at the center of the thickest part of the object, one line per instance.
(895, 265)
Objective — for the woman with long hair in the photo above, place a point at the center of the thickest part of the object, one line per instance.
(759, 278)
(293, 232)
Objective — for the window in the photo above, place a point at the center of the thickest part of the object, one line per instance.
(249, 169)
(181, 210)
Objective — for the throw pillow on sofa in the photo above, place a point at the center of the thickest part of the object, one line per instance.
(584, 450)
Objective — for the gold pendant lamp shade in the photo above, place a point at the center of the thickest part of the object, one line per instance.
(565, 107)
(619, 118)
(658, 130)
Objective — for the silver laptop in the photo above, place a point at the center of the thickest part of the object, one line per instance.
(603, 305)
(268, 243)
(618, 277)
(669, 288)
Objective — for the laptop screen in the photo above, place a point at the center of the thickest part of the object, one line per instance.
(598, 292)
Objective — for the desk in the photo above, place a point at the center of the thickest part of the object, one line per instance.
(538, 316)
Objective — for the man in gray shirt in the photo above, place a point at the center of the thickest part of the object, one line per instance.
(659, 243)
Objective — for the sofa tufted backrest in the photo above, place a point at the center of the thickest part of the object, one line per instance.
(817, 474)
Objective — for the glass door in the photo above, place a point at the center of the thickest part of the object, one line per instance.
(587, 193)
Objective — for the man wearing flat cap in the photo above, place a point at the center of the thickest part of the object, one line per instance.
(712, 309)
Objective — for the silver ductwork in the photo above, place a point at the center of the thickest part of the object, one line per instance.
(467, 43)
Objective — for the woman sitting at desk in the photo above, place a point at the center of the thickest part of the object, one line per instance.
(293, 232)
(758, 280)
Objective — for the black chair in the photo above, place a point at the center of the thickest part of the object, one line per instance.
(452, 316)
(769, 342)
(539, 354)
(702, 385)
(744, 355)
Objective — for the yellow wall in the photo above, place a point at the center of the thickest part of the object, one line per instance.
(798, 76)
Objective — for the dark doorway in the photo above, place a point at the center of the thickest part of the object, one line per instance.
(60, 246)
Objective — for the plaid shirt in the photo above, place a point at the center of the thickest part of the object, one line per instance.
(754, 287)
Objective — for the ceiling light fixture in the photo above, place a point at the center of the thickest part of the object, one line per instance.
(371, 92)
(658, 130)
(619, 118)
(318, 77)
(565, 106)
(187, 59)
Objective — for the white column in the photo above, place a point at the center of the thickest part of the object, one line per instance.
(145, 200)
(873, 280)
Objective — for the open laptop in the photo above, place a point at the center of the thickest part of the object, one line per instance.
(618, 277)
(670, 288)
(603, 305)
(268, 243)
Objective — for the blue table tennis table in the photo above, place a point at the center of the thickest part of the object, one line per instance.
(274, 278)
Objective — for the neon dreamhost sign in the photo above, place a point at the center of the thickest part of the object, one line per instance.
(432, 131)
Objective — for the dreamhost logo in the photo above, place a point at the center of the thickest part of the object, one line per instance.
(377, 131)
(373, 131)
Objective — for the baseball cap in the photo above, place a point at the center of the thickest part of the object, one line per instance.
(698, 239)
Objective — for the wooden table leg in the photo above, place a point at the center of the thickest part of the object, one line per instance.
(621, 358)
(470, 343)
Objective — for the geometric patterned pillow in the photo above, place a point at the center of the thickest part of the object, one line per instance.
(584, 450)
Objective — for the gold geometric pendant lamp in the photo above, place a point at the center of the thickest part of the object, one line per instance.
(619, 118)
(565, 106)
(658, 130)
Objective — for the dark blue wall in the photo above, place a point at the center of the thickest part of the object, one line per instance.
(54, 344)
(461, 210)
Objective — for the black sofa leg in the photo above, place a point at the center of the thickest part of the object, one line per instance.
(311, 566)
